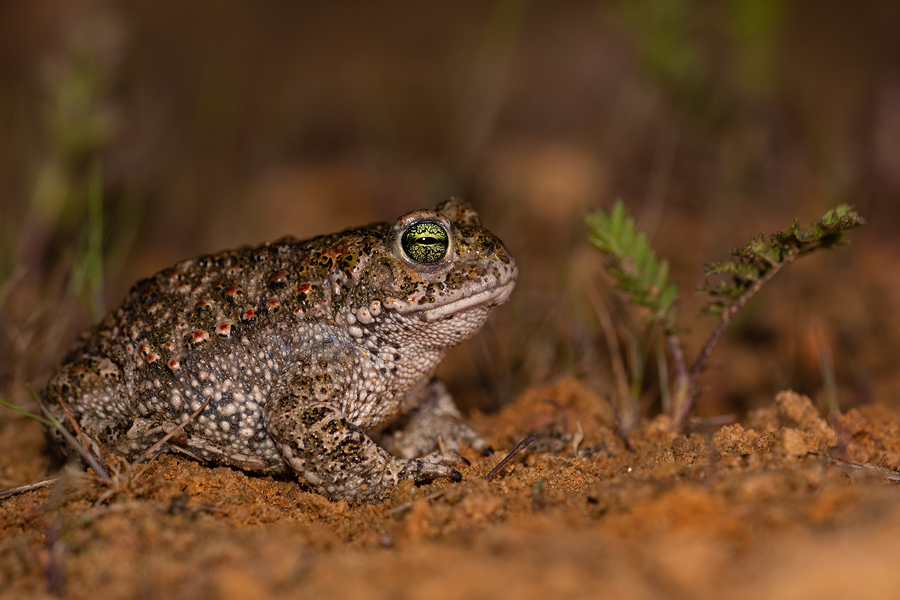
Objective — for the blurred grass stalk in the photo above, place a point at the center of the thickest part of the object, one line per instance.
(480, 104)
(87, 272)
(831, 406)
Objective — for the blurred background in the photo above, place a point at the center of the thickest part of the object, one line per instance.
(137, 133)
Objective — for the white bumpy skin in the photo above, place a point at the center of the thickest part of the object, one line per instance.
(304, 349)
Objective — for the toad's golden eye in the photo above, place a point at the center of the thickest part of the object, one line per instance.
(425, 242)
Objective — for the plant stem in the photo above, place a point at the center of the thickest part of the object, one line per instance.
(728, 314)
(679, 400)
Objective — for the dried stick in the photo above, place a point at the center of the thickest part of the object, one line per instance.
(522, 445)
(27, 488)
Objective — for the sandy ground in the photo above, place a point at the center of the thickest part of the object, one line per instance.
(776, 508)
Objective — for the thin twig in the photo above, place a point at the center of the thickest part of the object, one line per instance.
(405, 506)
(87, 456)
(522, 445)
(851, 467)
(99, 511)
(27, 488)
(80, 435)
(149, 451)
(728, 315)
(662, 368)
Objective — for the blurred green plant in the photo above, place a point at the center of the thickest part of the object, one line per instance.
(645, 280)
(79, 123)
(706, 55)
(58, 237)
(667, 47)
(754, 32)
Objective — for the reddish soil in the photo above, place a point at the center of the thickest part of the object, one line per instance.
(776, 508)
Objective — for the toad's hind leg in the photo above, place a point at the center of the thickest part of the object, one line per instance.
(335, 457)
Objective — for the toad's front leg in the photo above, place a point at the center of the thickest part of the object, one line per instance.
(334, 456)
(434, 426)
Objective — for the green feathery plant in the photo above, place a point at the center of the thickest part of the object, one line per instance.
(633, 263)
(645, 278)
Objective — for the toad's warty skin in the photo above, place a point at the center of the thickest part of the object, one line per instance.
(306, 350)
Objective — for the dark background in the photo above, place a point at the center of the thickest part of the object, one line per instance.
(137, 133)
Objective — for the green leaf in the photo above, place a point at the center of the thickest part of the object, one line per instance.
(632, 262)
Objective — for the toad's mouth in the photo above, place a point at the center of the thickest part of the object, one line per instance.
(489, 297)
(493, 296)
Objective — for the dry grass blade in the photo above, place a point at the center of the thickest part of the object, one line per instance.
(853, 468)
(51, 421)
(100, 511)
(522, 445)
(89, 458)
(627, 403)
(132, 472)
(27, 488)
(119, 480)
(620, 430)
(405, 506)
(149, 452)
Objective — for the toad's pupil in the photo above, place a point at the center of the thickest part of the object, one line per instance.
(425, 242)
